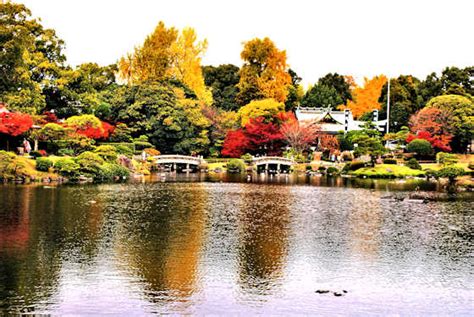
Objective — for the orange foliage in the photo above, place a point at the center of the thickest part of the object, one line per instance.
(366, 98)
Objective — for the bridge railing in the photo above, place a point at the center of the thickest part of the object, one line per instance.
(272, 160)
(178, 158)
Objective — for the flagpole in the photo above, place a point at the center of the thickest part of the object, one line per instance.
(388, 106)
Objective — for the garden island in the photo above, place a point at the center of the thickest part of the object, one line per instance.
(160, 185)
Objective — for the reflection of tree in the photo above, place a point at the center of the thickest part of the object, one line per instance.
(164, 239)
(47, 227)
(365, 223)
(263, 223)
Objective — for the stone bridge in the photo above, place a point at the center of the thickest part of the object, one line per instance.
(174, 159)
(278, 162)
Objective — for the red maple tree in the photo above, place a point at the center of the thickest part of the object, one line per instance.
(15, 123)
(433, 125)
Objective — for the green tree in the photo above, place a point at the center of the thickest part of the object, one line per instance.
(267, 108)
(223, 80)
(30, 58)
(295, 92)
(321, 95)
(420, 147)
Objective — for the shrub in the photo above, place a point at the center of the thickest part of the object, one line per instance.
(89, 163)
(413, 164)
(390, 161)
(125, 150)
(43, 164)
(67, 167)
(36, 154)
(354, 166)
(420, 147)
(322, 169)
(247, 158)
(235, 166)
(107, 152)
(446, 158)
(332, 170)
(309, 168)
(450, 172)
(471, 165)
(152, 152)
(300, 158)
(66, 152)
(142, 143)
(109, 171)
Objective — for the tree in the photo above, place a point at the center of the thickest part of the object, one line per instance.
(461, 110)
(168, 54)
(89, 126)
(299, 135)
(267, 108)
(404, 100)
(264, 72)
(221, 123)
(321, 95)
(440, 143)
(365, 99)
(30, 57)
(420, 147)
(437, 123)
(257, 137)
(15, 123)
(222, 81)
(295, 92)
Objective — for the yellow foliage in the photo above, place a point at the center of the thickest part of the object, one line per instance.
(365, 99)
(260, 108)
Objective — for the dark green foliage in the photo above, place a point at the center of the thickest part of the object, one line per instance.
(471, 166)
(420, 147)
(235, 166)
(413, 164)
(309, 168)
(332, 170)
(125, 150)
(293, 98)
(36, 154)
(390, 161)
(354, 166)
(223, 82)
(66, 152)
(322, 96)
(43, 164)
(450, 172)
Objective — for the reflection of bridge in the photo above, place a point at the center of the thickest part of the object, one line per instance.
(276, 161)
(174, 159)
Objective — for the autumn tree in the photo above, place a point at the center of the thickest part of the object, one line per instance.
(299, 135)
(365, 99)
(266, 108)
(14, 123)
(461, 110)
(264, 72)
(89, 126)
(168, 54)
(437, 122)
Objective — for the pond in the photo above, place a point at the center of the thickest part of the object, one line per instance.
(213, 245)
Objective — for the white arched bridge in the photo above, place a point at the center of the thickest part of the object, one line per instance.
(173, 160)
(272, 163)
(265, 163)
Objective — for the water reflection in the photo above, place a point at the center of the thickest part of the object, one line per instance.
(263, 237)
(231, 248)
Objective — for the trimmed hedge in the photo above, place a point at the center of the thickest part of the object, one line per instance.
(43, 164)
(390, 161)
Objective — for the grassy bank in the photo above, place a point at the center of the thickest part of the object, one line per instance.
(387, 171)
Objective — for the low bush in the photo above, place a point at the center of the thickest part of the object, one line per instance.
(322, 169)
(450, 172)
(107, 152)
(420, 147)
(235, 166)
(390, 161)
(36, 154)
(66, 152)
(247, 158)
(124, 150)
(67, 167)
(89, 163)
(413, 164)
(110, 171)
(152, 152)
(43, 164)
(446, 158)
(354, 166)
(309, 168)
(471, 165)
(332, 170)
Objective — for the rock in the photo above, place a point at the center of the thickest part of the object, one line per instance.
(337, 294)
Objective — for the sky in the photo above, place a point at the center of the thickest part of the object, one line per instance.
(362, 38)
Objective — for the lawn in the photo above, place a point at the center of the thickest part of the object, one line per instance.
(387, 171)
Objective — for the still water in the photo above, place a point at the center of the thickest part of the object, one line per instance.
(224, 248)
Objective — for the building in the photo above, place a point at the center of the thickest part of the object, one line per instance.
(333, 122)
